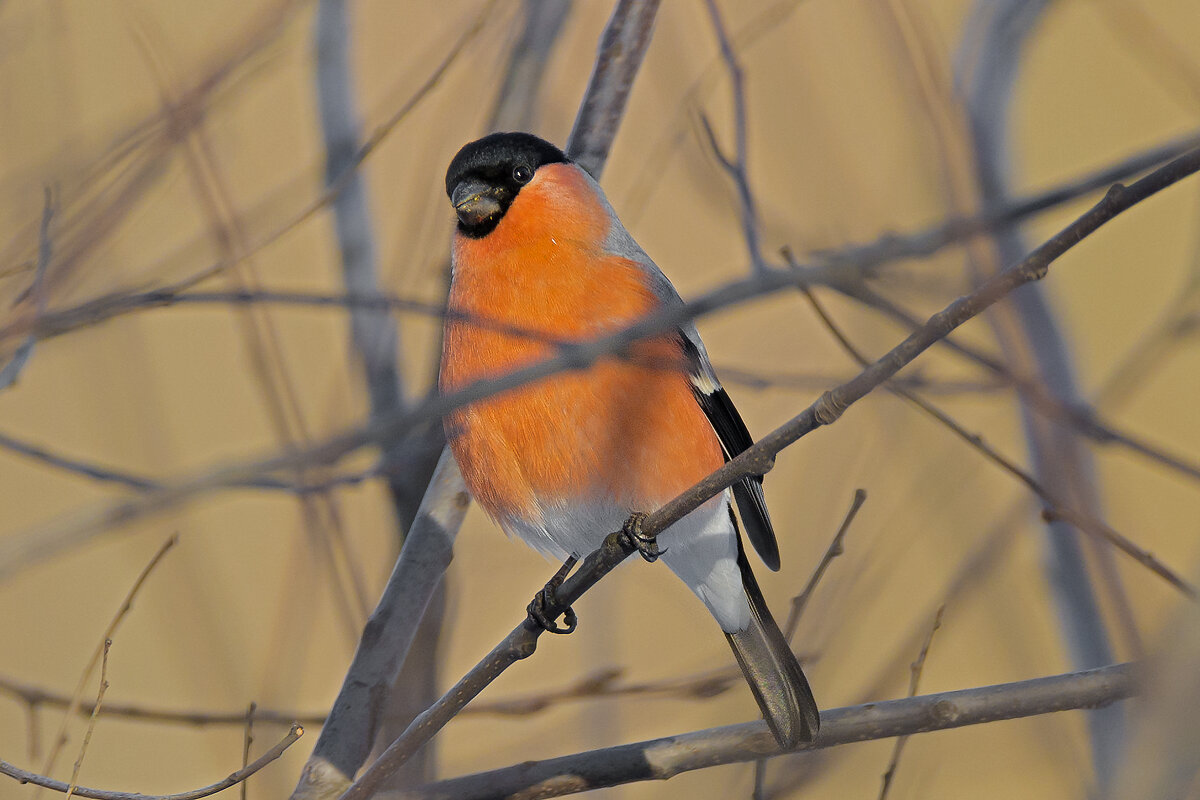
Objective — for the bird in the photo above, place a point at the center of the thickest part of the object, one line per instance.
(540, 260)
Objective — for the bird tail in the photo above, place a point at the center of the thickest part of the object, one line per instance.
(772, 670)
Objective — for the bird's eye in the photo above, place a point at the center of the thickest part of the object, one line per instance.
(522, 174)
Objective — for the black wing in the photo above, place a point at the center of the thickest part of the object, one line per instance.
(735, 438)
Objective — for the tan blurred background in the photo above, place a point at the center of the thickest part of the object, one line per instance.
(263, 598)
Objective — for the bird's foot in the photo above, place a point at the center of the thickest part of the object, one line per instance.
(647, 546)
(546, 599)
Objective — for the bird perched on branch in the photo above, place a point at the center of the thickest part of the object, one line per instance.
(540, 259)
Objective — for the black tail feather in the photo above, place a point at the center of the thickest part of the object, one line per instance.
(771, 669)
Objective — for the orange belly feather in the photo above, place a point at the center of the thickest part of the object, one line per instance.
(630, 432)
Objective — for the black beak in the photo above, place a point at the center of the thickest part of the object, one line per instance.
(474, 201)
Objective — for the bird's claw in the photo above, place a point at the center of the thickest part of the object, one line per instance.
(647, 546)
(547, 598)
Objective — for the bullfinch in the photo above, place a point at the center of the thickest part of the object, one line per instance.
(539, 258)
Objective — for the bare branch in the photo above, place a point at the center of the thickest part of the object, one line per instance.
(24, 776)
(835, 549)
(36, 294)
(101, 652)
(349, 732)
(247, 741)
(1095, 527)
(916, 668)
(660, 759)
(736, 167)
(618, 56)
(87, 736)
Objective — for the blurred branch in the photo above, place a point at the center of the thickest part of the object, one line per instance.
(373, 332)
(35, 294)
(1161, 760)
(20, 549)
(24, 776)
(1083, 419)
(517, 100)
(660, 759)
(759, 458)
(800, 602)
(600, 683)
(35, 696)
(1098, 529)
(1028, 327)
(335, 184)
(811, 381)
(107, 474)
(261, 338)
(139, 154)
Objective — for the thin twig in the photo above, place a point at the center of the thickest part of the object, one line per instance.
(835, 549)
(759, 459)
(247, 740)
(736, 166)
(660, 759)
(914, 682)
(1096, 528)
(800, 602)
(24, 776)
(60, 737)
(409, 461)
(87, 736)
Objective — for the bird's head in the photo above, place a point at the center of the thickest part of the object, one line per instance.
(488, 174)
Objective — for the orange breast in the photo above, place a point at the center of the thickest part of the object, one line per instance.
(626, 431)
